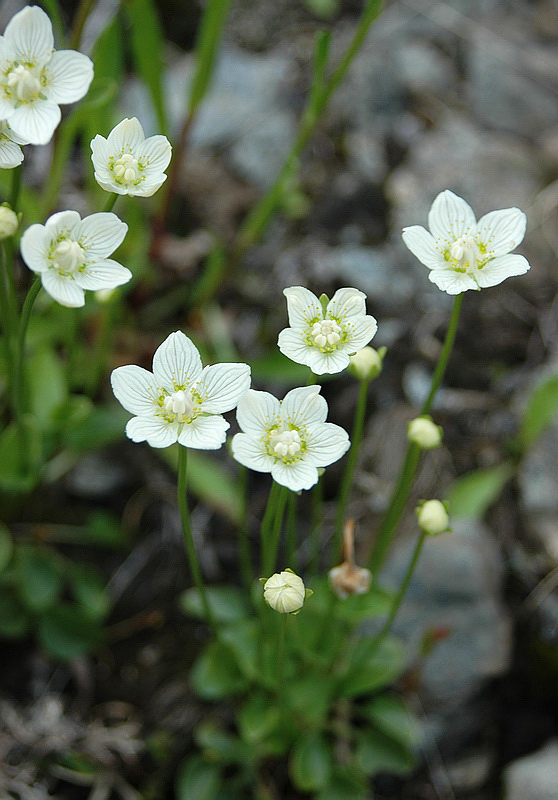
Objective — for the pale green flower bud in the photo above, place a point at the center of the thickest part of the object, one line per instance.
(8, 222)
(285, 592)
(366, 364)
(425, 433)
(433, 517)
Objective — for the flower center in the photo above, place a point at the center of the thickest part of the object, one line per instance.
(23, 84)
(68, 255)
(127, 169)
(326, 334)
(179, 404)
(286, 444)
(465, 251)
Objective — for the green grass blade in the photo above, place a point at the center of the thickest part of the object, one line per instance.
(211, 30)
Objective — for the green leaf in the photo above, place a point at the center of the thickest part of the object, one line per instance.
(67, 632)
(226, 602)
(310, 762)
(20, 455)
(277, 367)
(257, 718)
(104, 530)
(391, 716)
(376, 752)
(89, 590)
(47, 384)
(103, 426)
(345, 784)
(221, 745)
(361, 607)
(39, 579)
(243, 639)
(541, 409)
(207, 44)
(215, 674)
(14, 620)
(473, 493)
(148, 50)
(369, 672)
(311, 696)
(198, 780)
(6, 546)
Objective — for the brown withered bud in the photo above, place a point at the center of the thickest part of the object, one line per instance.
(347, 578)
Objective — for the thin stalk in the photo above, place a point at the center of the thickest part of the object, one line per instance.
(189, 539)
(243, 540)
(276, 529)
(5, 311)
(23, 324)
(265, 532)
(109, 205)
(101, 348)
(317, 500)
(281, 663)
(404, 482)
(16, 186)
(84, 9)
(352, 458)
(291, 530)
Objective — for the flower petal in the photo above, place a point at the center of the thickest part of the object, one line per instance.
(63, 289)
(359, 333)
(134, 388)
(156, 432)
(204, 433)
(127, 137)
(303, 307)
(497, 270)
(36, 121)
(100, 234)
(30, 35)
(325, 443)
(176, 363)
(147, 188)
(303, 406)
(422, 245)
(34, 246)
(296, 477)
(69, 75)
(250, 452)
(63, 223)
(11, 154)
(450, 217)
(452, 282)
(346, 303)
(104, 274)
(257, 412)
(292, 344)
(156, 153)
(501, 231)
(221, 386)
(330, 363)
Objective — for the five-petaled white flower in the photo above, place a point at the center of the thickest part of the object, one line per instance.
(180, 401)
(325, 338)
(34, 78)
(128, 163)
(463, 253)
(70, 254)
(290, 439)
(11, 154)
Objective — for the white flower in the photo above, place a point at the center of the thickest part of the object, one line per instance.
(34, 78)
(424, 432)
(285, 592)
(180, 401)
(433, 517)
(324, 339)
(290, 439)
(8, 222)
(70, 254)
(11, 154)
(128, 163)
(463, 253)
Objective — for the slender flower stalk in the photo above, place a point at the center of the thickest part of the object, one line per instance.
(291, 528)
(189, 539)
(276, 528)
(243, 540)
(404, 482)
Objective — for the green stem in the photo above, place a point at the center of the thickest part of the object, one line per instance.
(291, 530)
(243, 540)
(23, 324)
(112, 198)
(7, 318)
(101, 348)
(352, 458)
(189, 539)
(404, 482)
(84, 9)
(16, 186)
(281, 663)
(265, 531)
(317, 499)
(276, 529)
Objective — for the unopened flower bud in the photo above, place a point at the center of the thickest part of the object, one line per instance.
(366, 364)
(285, 592)
(425, 433)
(433, 517)
(8, 222)
(347, 579)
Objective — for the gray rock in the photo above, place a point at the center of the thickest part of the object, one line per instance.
(538, 479)
(456, 586)
(534, 777)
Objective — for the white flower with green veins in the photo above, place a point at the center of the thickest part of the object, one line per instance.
(289, 438)
(11, 154)
(465, 254)
(71, 254)
(324, 333)
(128, 163)
(180, 401)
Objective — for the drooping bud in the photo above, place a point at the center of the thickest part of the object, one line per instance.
(425, 433)
(433, 517)
(8, 222)
(285, 592)
(366, 364)
(348, 579)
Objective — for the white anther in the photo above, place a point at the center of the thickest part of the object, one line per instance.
(180, 403)
(23, 83)
(68, 255)
(286, 444)
(466, 251)
(126, 168)
(326, 333)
